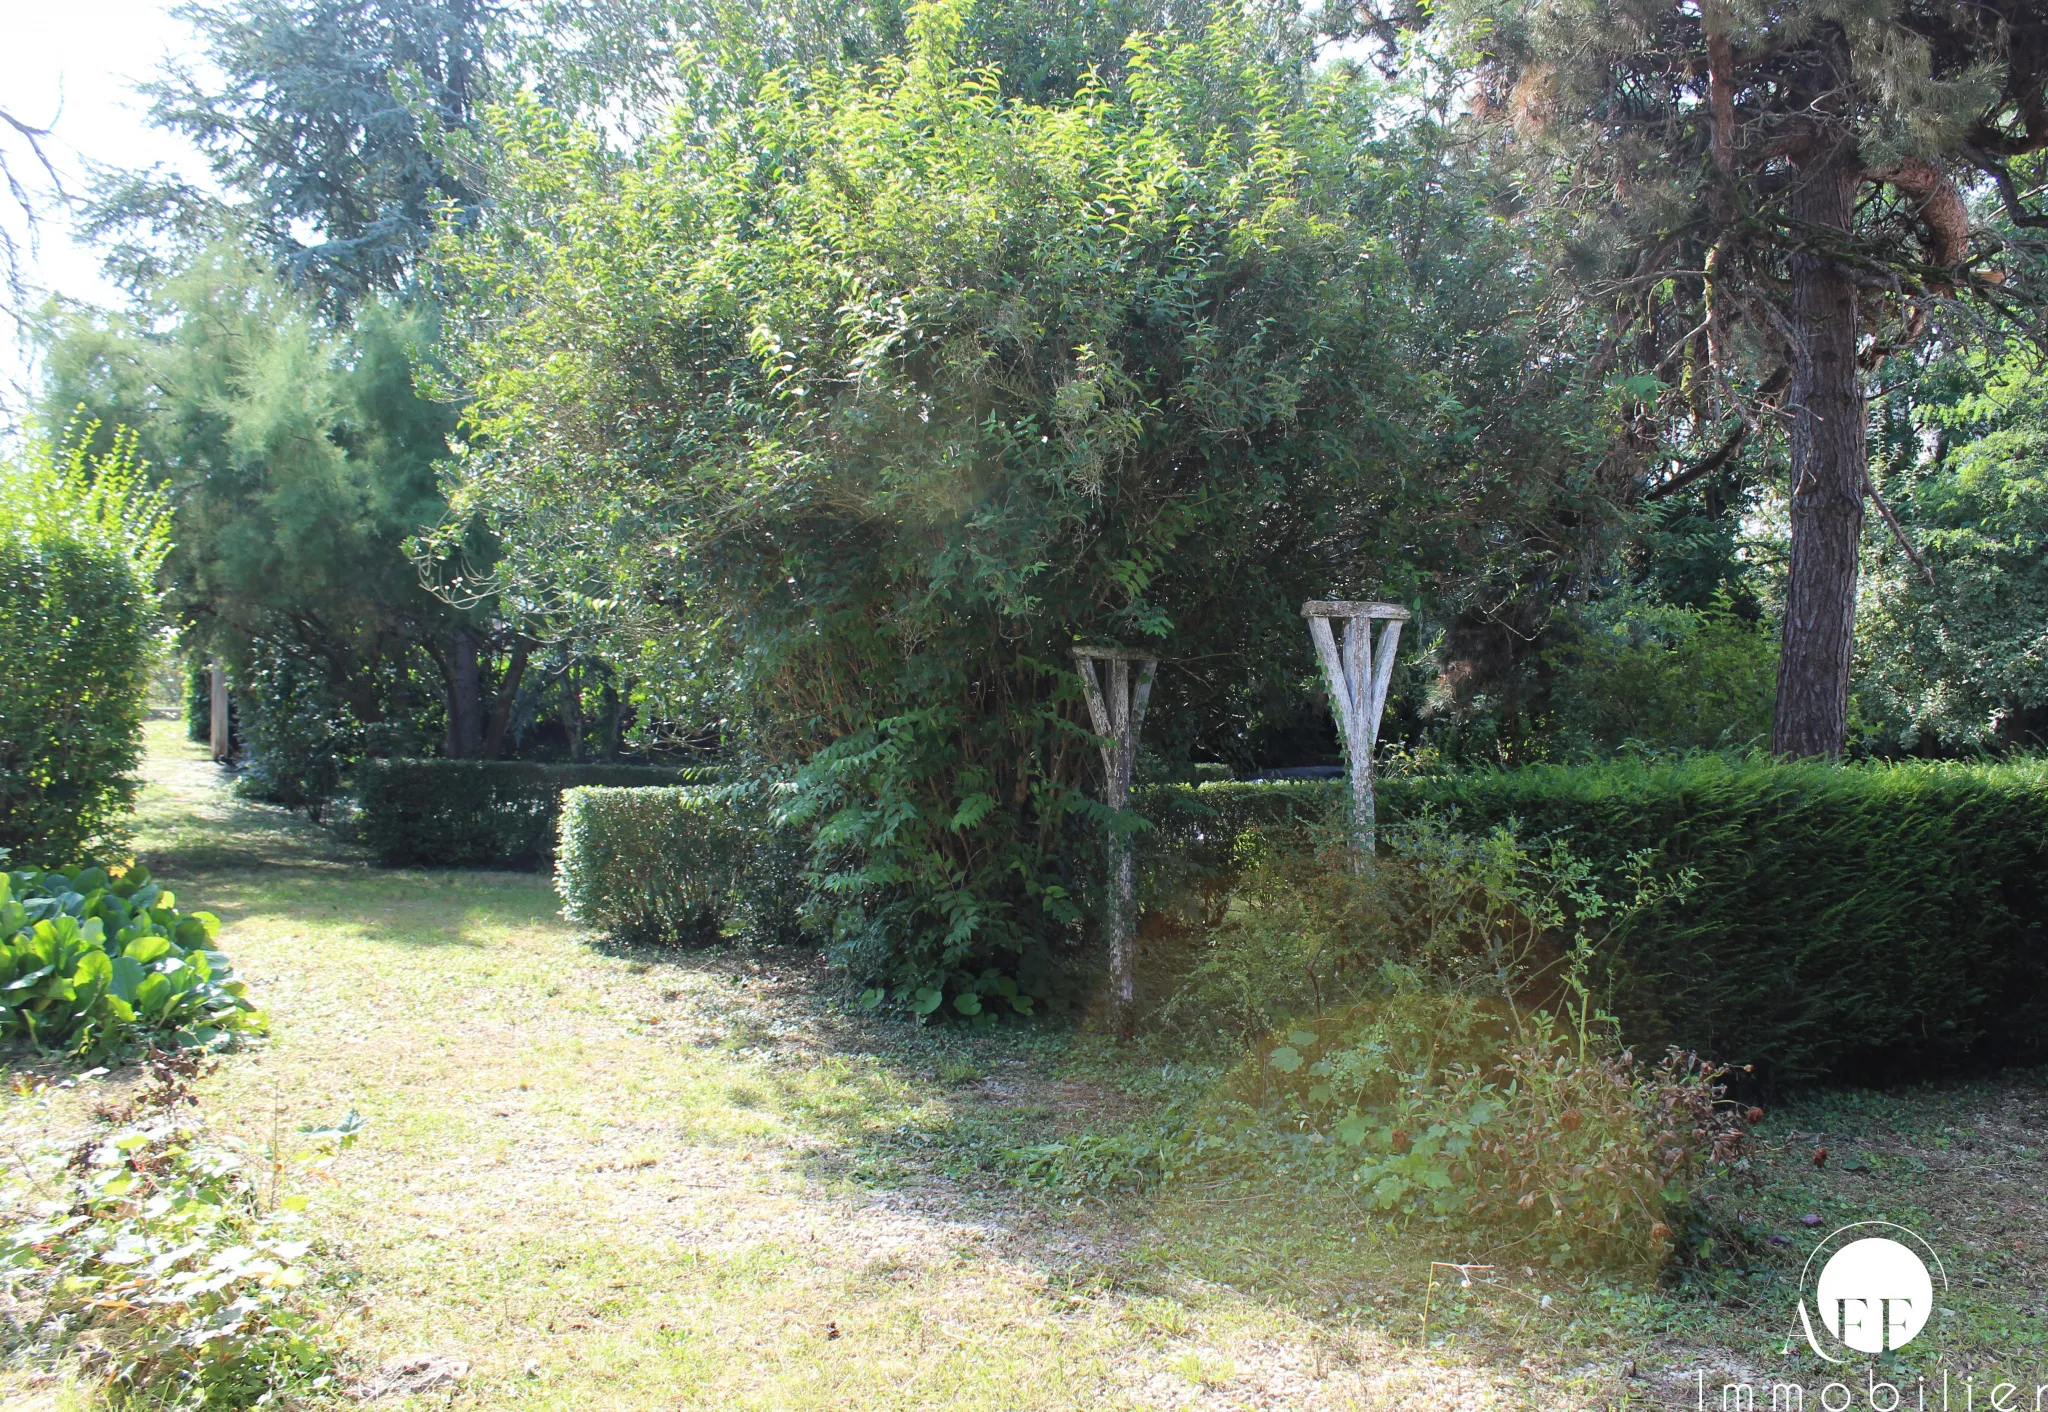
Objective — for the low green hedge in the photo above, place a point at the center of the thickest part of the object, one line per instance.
(1201, 834)
(479, 813)
(1849, 923)
(680, 864)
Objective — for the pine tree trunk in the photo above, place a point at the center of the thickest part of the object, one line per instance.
(1828, 469)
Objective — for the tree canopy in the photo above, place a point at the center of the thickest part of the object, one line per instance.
(816, 377)
(1771, 200)
(874, 399)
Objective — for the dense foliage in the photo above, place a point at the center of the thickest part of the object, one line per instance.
(1765, 202)
(301, 459)
(1842, 923)
(1637, 673)
(322, 122)
(479, 813)
(1956, 664)
(267, 362)
(1425, 1037)
(808, 380)
(81, 537)
(94, 964)
(869, 401)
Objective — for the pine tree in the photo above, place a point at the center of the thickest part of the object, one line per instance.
(1772, 199)
(322, 121)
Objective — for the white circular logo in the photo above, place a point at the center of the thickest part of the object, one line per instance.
(1874, 1293)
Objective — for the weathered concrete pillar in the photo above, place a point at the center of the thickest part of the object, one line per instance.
(1116, 706)
(1358, 673)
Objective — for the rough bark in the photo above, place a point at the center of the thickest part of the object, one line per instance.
(464, 682)
(572, 714)
(1829, 461)
(507, 697)
(1116, 708)
(615, 709)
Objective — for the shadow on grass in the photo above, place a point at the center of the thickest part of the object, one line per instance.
(1050, 1129)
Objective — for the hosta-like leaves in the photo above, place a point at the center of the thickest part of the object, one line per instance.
(91, 964)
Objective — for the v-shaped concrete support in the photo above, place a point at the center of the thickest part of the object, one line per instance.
(1116, 707)
(1358, 671)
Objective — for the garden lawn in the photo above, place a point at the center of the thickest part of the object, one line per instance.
(658, 1179)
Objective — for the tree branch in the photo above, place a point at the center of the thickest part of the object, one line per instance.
(1725, 452)
(1898, 533)
(1938, 204)
(1705, 466)
(2008, 193)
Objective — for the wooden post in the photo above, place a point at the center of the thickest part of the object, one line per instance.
(1117, 708)
(1358, 673)
(217, 723)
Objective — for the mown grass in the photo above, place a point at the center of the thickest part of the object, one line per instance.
(614, 1178)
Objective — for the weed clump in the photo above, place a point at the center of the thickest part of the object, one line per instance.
(162, 1260)
(1428, 1036)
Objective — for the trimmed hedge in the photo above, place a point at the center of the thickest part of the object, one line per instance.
(1202, 834)
(1849, 923)
(680, 864)
(479, 813)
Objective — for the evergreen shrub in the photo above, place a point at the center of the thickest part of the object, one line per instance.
(301, 738)
(683, 863)
(198, 702)
(1845, 923)
(479, 813)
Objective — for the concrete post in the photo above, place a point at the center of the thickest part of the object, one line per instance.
(1116, 706)
(1358, 672)
(217, 724)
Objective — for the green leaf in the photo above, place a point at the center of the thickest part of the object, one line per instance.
(967, 1003)
(94, 969)
(1285, 1059)
(154, 993)
(872, 997)
(973, 809)
(926, 1000)
(24, 982)
(144, 950)
(1301, 1039)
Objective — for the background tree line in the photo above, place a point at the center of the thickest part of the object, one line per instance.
(807, 380)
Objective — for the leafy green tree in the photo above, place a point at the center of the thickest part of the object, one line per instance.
(1770, 199)
(1631, 672)
(301, 460)
(870, 401)
(324, 123)
(630, 63)
(1957, 663)
(81, 537)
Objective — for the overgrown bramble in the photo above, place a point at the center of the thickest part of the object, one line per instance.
(163, 1261)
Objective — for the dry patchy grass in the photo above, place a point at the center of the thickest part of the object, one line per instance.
(649, 1179)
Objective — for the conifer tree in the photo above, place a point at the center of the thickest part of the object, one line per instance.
(1773, 198)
